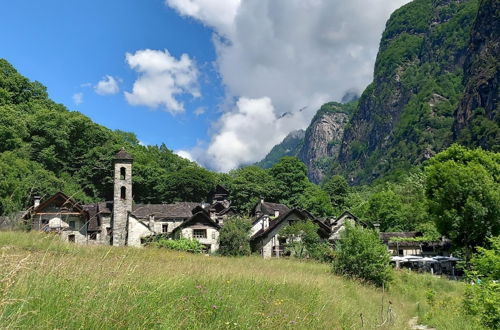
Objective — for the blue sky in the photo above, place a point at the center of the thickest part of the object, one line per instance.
(65, 44)
(209, 78)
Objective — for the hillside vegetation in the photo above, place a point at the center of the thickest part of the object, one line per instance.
(49, 284)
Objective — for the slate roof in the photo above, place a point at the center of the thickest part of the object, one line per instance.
(123, 155)
(275, 222)
(93, 222)
(179, 210)
(269, 208)
(200, 217)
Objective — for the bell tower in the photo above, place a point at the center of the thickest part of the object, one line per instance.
(122, 198)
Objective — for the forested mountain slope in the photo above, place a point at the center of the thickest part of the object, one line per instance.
(477, 118)
(436, 81)
(45, 148)
(406, 115)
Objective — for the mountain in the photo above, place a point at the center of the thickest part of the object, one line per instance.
(290, 146)
(323, 137)
(436, 81)
(319, 144)
(406, 115)
(477, 117)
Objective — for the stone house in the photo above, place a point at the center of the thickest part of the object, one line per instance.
(60, 214)
(202, 228)
(269, 220)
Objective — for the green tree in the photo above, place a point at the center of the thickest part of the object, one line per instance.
(387, 209)
(360, 254)
(290, 175)
(316, 201)
(482, 297)
(248, 184)
(337, 189)
(191, 184)
(234, 237)
(464, 195)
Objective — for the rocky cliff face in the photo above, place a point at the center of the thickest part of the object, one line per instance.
(322, 139)
(405, 116)
(477, 117)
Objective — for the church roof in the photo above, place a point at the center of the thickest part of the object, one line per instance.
(123, 155)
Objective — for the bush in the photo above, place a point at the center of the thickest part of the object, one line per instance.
(303, 241)
(234, 237)
(482, 296)
(360, 254)
(182, 244)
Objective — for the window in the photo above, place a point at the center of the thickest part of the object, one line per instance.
(122, 173)
(199, 233)
(164, 228)
(93, 236)
(123, 193)
(72, 225)
(71, 238)
(109, 231)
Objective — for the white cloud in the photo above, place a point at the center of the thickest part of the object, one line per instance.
(245, 134)
(297, 53)
(107, 85)
(162, 79)
(215, 13)
(199, 111)
(184, 154)
(78, 98)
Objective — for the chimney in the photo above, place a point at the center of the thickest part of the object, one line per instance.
(152, 222)
(376, 226)
(265, 222)
(212, 214)
(262, 200)
(36, 202)
(276, 213)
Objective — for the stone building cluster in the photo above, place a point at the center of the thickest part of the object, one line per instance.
(121, 222)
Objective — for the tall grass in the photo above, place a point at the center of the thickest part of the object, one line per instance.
(50, 284)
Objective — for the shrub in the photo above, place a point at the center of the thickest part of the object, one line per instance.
(182, 244)
(360, 254)
(482, 296)
(303, 241)
(234, 237)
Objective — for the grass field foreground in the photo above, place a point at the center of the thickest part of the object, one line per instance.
(46, 283)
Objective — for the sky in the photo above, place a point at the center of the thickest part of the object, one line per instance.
(217, 81)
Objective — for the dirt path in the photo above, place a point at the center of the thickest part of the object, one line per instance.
(413, 323)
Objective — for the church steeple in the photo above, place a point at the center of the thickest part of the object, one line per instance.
(122, 200)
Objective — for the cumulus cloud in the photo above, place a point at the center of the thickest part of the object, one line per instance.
(184, 154)
(295, 53)
(245, 134)
(215, 13)
(78, 98)
(107, 85)
(162, 79)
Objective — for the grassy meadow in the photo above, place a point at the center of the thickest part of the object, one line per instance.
(45, 283)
